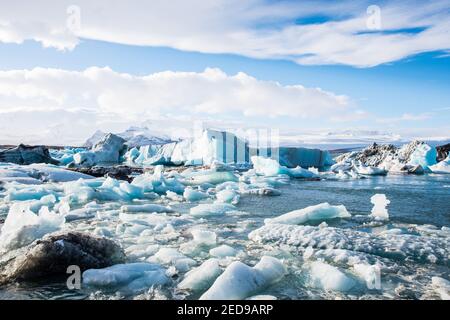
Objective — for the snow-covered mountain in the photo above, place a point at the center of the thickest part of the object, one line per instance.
(135, 137)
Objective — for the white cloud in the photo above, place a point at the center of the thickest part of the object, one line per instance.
(255, 28)
(406, 117)
(44, 100)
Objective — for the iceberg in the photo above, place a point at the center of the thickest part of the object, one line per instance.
(423, 155)
(239, 281)
(228, 196)
(192, 195)
(201, 277)
(269, 167)
(145, 208)
(223, 251)
(327, 277)
(320, 212)
(214, 209)
(442, 167)
(427, 249)
(379, 210)
(107, 151)
(128, 278)
(22, 226)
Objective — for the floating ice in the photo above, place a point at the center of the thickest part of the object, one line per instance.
(213, 209)
(223, 251)
(145, 208)
(318, 212)
(379, 210)
(228, 196)
(240, 281)
(204, 237)
(395, 246)
(201, 277)
(22, 226)
(192, 195)
(327, 277)
(128, 278)
(369, 170)
(212, 177)
(173, 257)
(442, 167)
(270, 167)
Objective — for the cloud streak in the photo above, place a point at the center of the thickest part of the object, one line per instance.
(255, 28)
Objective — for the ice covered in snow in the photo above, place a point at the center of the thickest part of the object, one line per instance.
(223, 251)
(239, 281)
(379, 210)
(204, 237)
(427, 249)
(442, 167)
(201, 277)
(327, 277)
(22, 226)
(318, 212)
(127, 278)
(213, 209)
(369, 170)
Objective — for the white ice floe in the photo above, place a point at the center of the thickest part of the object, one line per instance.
(213, 209)
(327, 277)
(270, 167)
(223, 251)
(209, 176)
(228, 196)
(369, 170)
(38, 173)
(201, 277)
(318, 212)
(379, 210)
(129, 278)
(442, 167)
(239, 281)
(428, 249)
(22, 226)
(192, 195)
(171, 256)
(142, 208)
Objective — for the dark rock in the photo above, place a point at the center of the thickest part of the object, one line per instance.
(23, 154)
(53, 254)
(117, 172)
(416, 170)
(443, 152)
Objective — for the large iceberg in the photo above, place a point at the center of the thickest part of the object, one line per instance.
(107, 151)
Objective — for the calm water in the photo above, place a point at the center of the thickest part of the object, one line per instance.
(415, 200)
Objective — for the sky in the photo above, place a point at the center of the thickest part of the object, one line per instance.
(314, 70)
